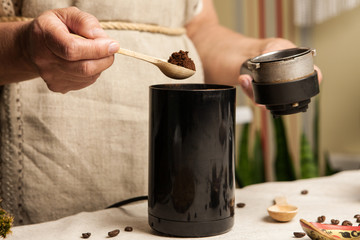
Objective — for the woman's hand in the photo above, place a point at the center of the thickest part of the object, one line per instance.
(64, 61)
(270, 45)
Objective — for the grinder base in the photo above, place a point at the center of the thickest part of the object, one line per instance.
(287, 97)
(191, 229)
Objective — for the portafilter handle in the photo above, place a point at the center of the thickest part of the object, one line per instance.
(245, 68)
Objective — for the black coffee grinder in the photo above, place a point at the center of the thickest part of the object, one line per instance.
(191, 159)
(284, 81)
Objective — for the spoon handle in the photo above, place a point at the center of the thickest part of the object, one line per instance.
(138, 55)
(281, 200)
(130, 53)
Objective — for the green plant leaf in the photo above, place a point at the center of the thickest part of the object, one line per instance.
(258, 160)
(284, 167)
(308, 165)
(243, 172)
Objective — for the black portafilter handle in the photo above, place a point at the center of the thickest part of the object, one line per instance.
(284, 98)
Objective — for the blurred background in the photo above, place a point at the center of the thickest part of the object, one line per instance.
(330, 130)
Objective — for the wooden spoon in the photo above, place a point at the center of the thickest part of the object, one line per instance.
(168, 69)
(282, 211)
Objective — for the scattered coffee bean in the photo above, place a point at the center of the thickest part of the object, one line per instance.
(335, 221)
(240, 205)
(86, 235)
(128, 229)
(346, 223)
(304, 192)
(114, 233)
(299, 234)
(321, 219)
(358, 220)
(357, 216)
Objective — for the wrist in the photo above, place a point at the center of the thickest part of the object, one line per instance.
(23, 40)
(14, 62)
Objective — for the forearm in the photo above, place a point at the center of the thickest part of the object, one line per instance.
(223, 51)
(14, 64)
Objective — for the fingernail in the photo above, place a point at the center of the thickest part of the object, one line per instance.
(113, 47)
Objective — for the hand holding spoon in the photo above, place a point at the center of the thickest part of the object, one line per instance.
(282, 211)
(168, 69)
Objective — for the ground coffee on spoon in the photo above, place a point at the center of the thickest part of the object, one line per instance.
(182, 59)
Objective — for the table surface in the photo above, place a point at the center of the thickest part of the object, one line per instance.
(336, 197)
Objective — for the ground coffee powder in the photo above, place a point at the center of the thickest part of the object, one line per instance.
(182, 59)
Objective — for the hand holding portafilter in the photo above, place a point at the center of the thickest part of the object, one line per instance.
(284, 81)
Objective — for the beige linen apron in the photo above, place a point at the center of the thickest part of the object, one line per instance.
(84, 150)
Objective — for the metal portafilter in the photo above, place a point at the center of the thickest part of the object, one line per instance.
(284, 81)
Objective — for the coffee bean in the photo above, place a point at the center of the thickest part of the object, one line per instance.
(86, 235)
(335, 221)
(357, 216)
(128, 229)
(299, 234)
(304, 192)
(346, 223)
(240, 205)
(321, 219)
(358, 220)
(114, 233)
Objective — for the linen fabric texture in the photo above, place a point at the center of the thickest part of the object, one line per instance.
(82, 151)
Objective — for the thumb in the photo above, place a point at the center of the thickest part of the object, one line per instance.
(245, 83)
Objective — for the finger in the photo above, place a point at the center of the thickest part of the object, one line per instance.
(59, 40)
(319, 73)
(63, 86)
(245, 83)
(81, 22)
(79, 86)
(50, 66)
(72, 48)
(85, 68)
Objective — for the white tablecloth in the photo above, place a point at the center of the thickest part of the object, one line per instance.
(337, 197)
